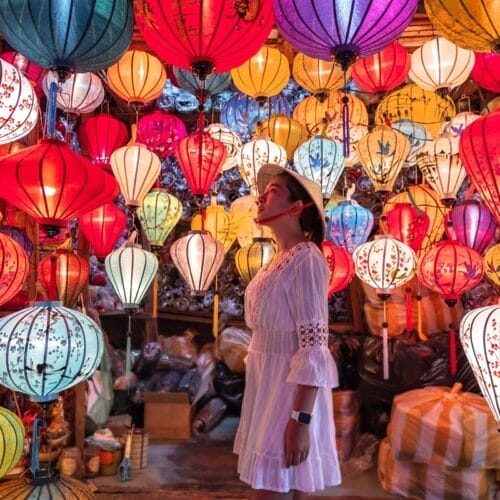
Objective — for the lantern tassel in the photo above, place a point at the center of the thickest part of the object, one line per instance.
(35, 461)
(128, 350)
(215, 323)
(409, 310)
(385, 344)
(453, 349)
(52, 110)
(345, 126)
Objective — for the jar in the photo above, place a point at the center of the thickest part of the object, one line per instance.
(92, 460)
(70, 462)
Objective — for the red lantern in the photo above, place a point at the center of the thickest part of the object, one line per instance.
(486, 71)
(53, 184)
(479, 150)
(34, 73)
(159, 131)
(102, 227)
(382, 71)
(203, 35)
(200, 157)
(14, 266)
(340, 264)
(99, 136)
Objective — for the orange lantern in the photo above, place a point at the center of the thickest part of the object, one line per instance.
(14, 266)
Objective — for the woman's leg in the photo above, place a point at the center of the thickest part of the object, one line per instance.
(274, 495)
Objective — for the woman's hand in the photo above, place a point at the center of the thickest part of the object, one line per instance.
(296, 442)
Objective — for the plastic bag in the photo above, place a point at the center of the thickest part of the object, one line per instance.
(181, 345)
(232, 348)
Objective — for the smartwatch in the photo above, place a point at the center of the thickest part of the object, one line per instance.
(301, 417)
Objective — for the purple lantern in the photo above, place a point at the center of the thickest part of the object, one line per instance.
(471, 224)
(344, 29)
(349, 225)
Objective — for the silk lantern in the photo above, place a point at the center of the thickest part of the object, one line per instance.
(480, 338)
(491, 261)
(204, 36)
(50, 33)
(213, 84)
(340, 265)
(486, 71)
(244, 210)
(455, 127)
(231, 142)
(32, 71)
(11, 440)
(450, 269)
(14, 268)
(479, 150)
(440, 65)
(48, 348)
(418, 136)
(284, 131)
(250, 258)
(103, 226)
(19, 235)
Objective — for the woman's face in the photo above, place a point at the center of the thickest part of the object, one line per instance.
(275, 199)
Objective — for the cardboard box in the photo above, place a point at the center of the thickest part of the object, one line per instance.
(167, 415)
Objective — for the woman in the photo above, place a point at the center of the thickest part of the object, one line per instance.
(286, 437)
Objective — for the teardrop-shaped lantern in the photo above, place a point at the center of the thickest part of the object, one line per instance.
(252, 257)
(340, 265)
(11, 440)
(480, 338)
(471, 224)
(197, 256)
(418, 136)
(213, 84)
(131, 270)
(491, 261)
(283, 130)
(486, 71)
(158, 215)
(48, 348)
(102, 227)
(136, 169)
(32, 71)
(244, 210)
(200, 157)
(14, 267)
(231, 142)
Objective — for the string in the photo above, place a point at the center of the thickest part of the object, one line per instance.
(385, 343)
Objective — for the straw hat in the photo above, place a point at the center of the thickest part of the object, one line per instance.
(267, 172)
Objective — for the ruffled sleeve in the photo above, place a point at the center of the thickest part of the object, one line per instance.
(307, 294)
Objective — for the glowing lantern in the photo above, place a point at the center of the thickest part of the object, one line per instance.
(284, 131)
(469, 24)
(263, 75)
(440, 65)
(341, 267)
(318, 76)
(416, 134)
(159, 132)
(198, 256)
(16, 121)
(213, 84)
(18, 235)
(244, 210)
(480, 338)
(479, 151)
(102, 227)
(14, 267)
(138, 77)
(382, 153)
(158, 214)
(455, 127)
(53, 184)
(99, 136)
(486, 71)
(11, 440)
(51, 34)
(48, 348)
(336, 132)
(471, 224)
(230, 140)
(250, 258)
(136, 169)
(29, 69)
(200, 157)
(382, 71)
(491, 261)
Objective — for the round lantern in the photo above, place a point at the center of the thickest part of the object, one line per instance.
(382, 71)
(102, 227)
(491, 261)
(470, 24)
(197, 256)
(230, 140)
(16, 121)
(14, 268)
(382, 153)
(53, 184)
(455, 127)
(204, 36)
(348, 225)
(80, 93)
(336, 131)
(471, 224)
(200, 157)
(158, 215)
(136, 169)
(48, 348)
(321, 28)
(213, 84)
(263, 75)
(322, 161)
(440, 65)
(99, 136)
(318, 76)
(11, 440)
(250, 258)
(19, 235)
(486, 71)
(284, 131)
(244, 210)
(416, 134)
(51, 34)
(138, 77)
(341, 267)
(159, 131)
(479, 151)
(33, 72)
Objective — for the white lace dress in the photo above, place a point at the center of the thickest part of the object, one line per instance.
(286, 308)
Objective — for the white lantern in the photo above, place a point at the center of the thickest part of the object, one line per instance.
(417, 134)
(230, 140)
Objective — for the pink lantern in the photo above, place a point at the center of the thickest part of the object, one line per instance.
(486, 71)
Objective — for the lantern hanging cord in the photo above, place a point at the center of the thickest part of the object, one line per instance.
(345, 118)
(385, 343)
(52, 110)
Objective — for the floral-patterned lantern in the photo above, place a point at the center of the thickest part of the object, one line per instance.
(455, 127)
(480, 338)
(34, 73)
(418, 136)
(244, 210)
(11, 440)
(14, 267)
(48, 348)
(340, 265)
(491, 261)
(19, 235)
(230, 140)
(486, 71)
(213, 84)
(252, 257)
(284, 131)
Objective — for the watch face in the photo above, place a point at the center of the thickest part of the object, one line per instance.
(304, 418)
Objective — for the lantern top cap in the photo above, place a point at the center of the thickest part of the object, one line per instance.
(313, 189)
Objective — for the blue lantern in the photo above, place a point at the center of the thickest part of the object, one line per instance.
(74, 35)
(349, 225)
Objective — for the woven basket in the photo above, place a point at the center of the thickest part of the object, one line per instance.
(139, 449)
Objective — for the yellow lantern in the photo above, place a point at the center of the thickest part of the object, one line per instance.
(382, 153)
(318, 76)
(421, 106)
(491, 262)
(244, 210)
(283, 130)
(138, 77)
(470, 24)
(11, 440)
(263, 75)
(250, 258)
(440, 65)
